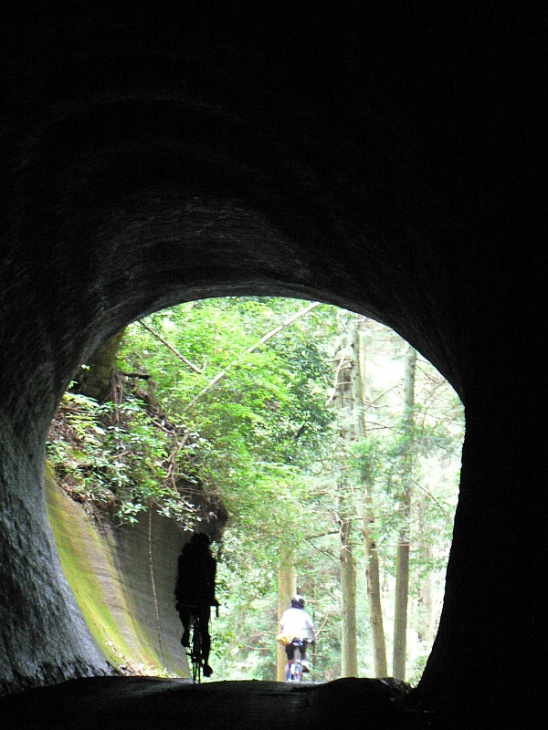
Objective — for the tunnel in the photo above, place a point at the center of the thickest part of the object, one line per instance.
(386, 162)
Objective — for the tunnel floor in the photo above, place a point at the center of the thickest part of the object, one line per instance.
(105, 703)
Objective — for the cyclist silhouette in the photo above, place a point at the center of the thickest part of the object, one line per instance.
(195, 591)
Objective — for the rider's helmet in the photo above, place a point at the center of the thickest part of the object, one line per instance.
(297, 602)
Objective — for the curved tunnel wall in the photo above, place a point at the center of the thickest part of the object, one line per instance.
(123, 581)
(149, 164)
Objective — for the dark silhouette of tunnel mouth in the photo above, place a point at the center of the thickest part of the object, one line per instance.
(386, 163)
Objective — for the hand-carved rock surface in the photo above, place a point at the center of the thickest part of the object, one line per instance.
(384, 161)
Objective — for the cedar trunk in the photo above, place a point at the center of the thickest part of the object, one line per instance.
(402, 560)
(346, 403)
(287, 587)
(348, 586)
(372, 569)
(374, 590)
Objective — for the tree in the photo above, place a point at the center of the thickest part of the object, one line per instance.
(404, 498)
(346, 410)
(368, 458)
(287, 587)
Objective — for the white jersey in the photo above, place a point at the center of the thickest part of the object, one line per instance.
(297, 622)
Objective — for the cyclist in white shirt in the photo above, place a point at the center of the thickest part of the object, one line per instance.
(298, 624)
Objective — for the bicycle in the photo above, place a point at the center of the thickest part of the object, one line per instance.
(295, 668)
(195, 651)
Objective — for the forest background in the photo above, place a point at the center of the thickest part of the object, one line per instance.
(326, 447)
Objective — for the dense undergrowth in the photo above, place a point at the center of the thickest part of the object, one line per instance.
(122, 457)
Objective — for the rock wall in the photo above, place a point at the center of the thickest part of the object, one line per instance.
(123, 579)
(37, 607)
(389, 164)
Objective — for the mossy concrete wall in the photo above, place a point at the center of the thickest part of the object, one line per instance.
(123, 579)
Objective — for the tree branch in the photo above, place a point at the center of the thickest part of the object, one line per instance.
(143, 376)
(342, 362)
(182, 358)
(269, 335)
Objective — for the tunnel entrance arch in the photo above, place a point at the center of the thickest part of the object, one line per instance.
(144, 253)
(174, 346)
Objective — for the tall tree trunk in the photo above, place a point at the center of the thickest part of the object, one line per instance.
(287, 587)
(346, 404)
(348, 586)
(404, 539)
(400, 612)
(96, 380)
(426, 624)
(373, 576)
(372, 569)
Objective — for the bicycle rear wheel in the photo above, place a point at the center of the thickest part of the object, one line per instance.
(196, 654)
(298, 671)
(297, 667)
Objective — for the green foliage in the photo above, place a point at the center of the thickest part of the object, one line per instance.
(262, 422)
(253, 426)
(114, 456)
(368, 459)
(244, 646)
